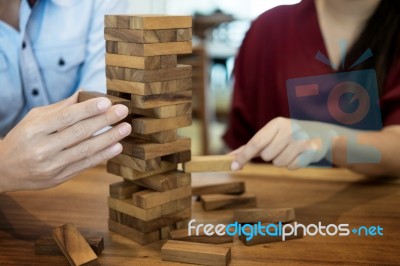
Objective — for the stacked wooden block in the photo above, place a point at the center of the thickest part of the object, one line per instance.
(141, 66)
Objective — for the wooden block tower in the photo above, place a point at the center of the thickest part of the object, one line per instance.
(141, 66)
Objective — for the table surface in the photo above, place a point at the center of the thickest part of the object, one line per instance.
(326, 195)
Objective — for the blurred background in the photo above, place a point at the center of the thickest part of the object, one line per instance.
(219, 27)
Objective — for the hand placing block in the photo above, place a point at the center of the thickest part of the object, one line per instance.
(215, 163)
(87, 95)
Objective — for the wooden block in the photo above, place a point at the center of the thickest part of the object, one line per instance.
(147, 150)
(148, 62)
(159, 137)
(124, 189)
(126, 207)
(148, 198)
(253, 216)
(169, 61)
(184, 34)
(147, 36)
(148, 49)
(152, 75)
(152, 225)
(218, 202)
(48, 246)
(259, 239)
(176, 205)
(131, 174)
(148, 125)
(168, 111)
(166, 181)
(182, 235)
(133, 234)
(149, 88)
(147, 22)
(158, 100)
(137, 164)
(197, 253)
(180, 157)
(87, 95)
(212, 163)
(74, 246)
(234, 188)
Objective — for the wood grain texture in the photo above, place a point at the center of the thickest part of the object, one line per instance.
(169, 61)
(219, 201)
(149, 88)
(147, 36)
(152, 225)
(183, 235)
(124, 189)
(137, 164)
(253, 216)
(126, 206)
(148, 49)
(148, 62)
(166, 181)
(168, 111)
(145, 22)
(184, 35)
(158, 100)
(159, 137)
(147, 150)
(180, 157)
(148, 198)
(259, 239)
(147, 76)
(48, 246)
(214, 163)
(87, 95)
(176, 205)
(74, 246)
(234, 188)
(133, 234)
(148, 125)
(132, 174)
(197, 253)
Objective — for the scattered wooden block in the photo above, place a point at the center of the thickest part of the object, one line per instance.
(137, 164)
(166, 181)
(124, 190)
(131, 174)
(165, 111)
(159, 100)
(148, 49)
(147, 150)
(133, 234)
(252, 216)
(197, 253)
(212, 163)
(218, 202)
(149, 88)
(166, 136)
(234, 188)
(182, 235)
(147, 22)
(152, 225)
(179, 157)
(87, 95)
(147, 36)
(148, 125)
(74, 246)
(148, 62)
(169, 61)
(259, 239)
(48, 246)
(148, 198)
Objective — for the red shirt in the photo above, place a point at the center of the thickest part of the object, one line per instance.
(281, 45)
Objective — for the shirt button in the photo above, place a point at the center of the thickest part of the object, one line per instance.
(35, 92)
(61, 62)
(23, 45)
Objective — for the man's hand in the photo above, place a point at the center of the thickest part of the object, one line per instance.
(53, 143)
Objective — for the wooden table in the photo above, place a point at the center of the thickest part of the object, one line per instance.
(330, 196)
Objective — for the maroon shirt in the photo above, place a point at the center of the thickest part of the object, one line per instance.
(281, 45)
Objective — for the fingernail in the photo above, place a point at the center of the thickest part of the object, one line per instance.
(116, 148)
(125, 130)
(103, 105)
(121, 111)
(235, 166)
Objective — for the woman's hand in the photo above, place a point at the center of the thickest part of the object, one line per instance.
(53, 143)
(287, 143)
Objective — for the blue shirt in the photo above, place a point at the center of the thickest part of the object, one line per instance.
(59, 49)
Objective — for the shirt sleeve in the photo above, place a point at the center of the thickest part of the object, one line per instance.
(93, 70)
